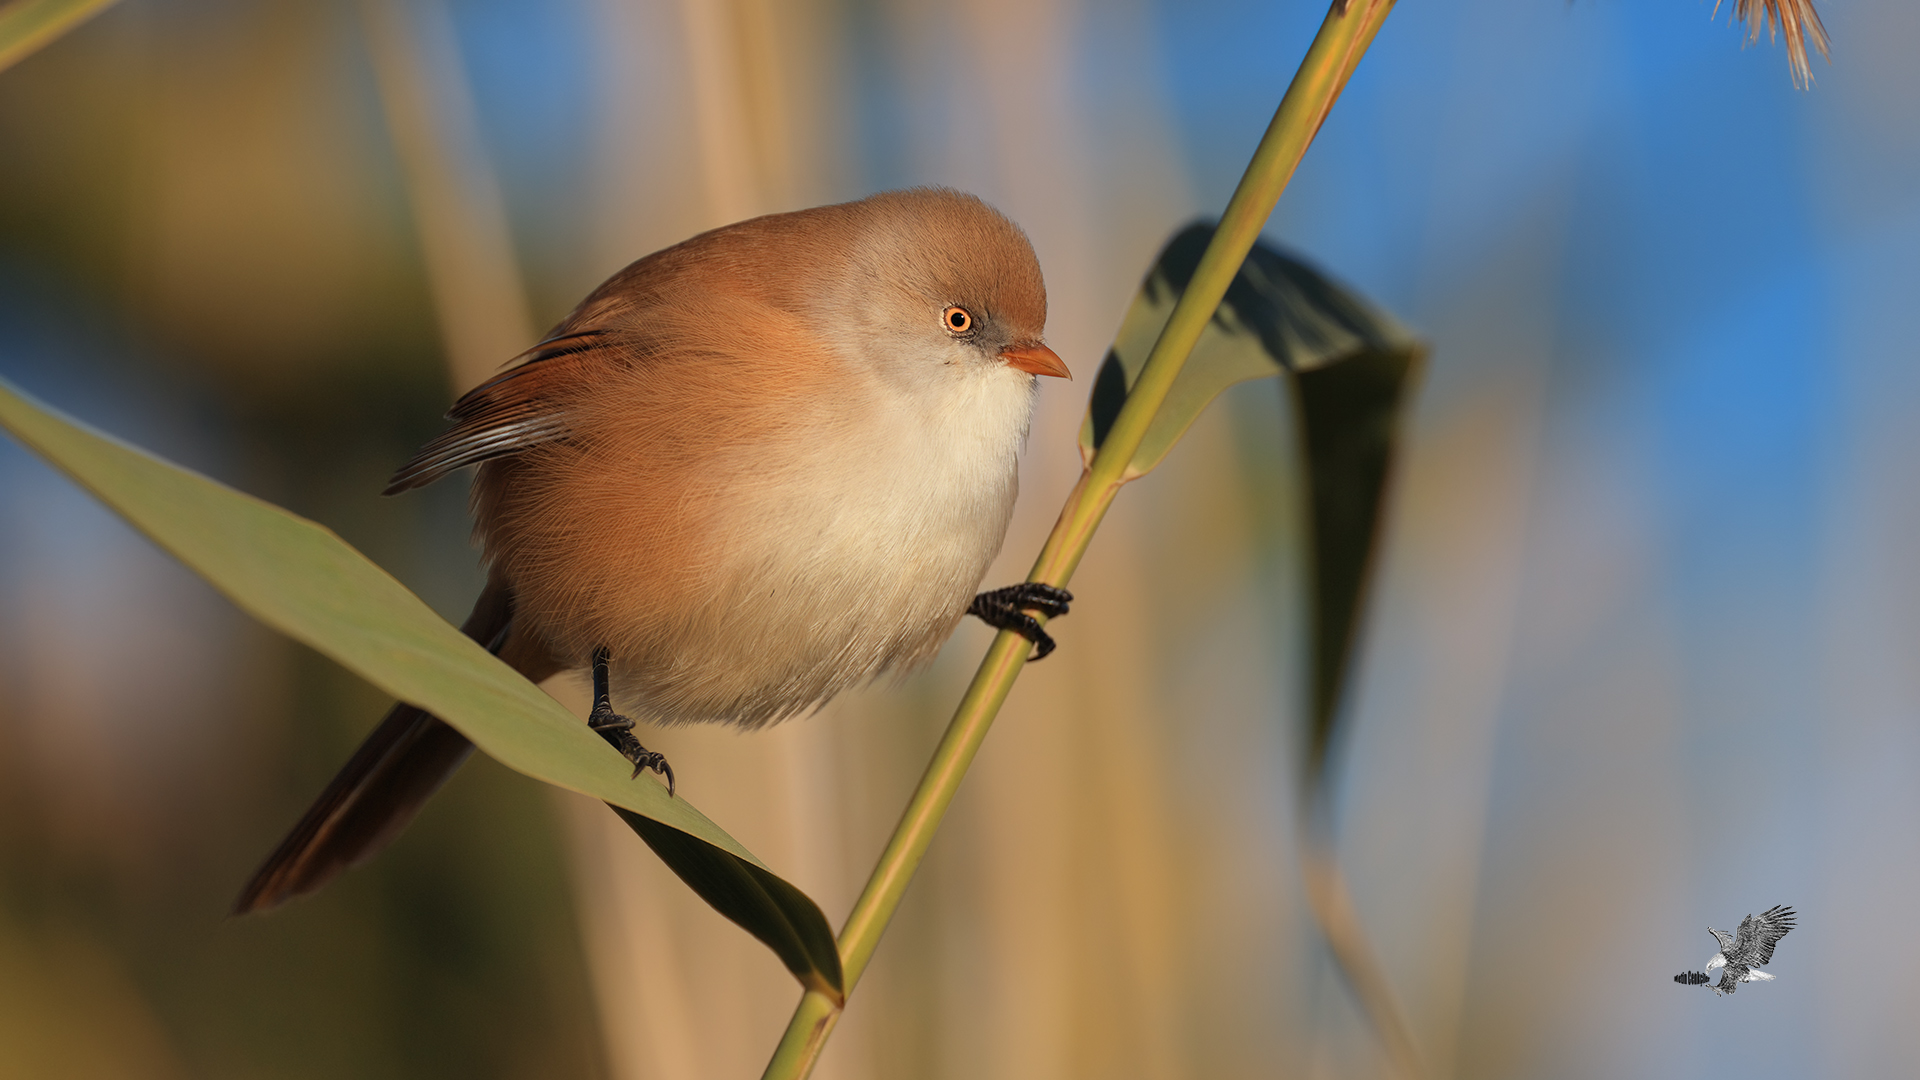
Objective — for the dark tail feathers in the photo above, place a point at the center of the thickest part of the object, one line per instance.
(373, 798)
(380, 789)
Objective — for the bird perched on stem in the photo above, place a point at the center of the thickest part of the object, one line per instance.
(1743, 952)
(746, 473)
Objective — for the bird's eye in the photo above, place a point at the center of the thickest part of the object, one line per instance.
(957, 320)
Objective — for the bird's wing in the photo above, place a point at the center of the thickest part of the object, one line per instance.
(1759, 934)
(1725, 939)
(507, 413)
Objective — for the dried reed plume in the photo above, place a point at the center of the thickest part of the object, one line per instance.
(1796, 17)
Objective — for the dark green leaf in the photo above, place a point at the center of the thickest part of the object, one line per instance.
(1351, 366)
(304, 581)
(1350, 418)
(1279, 315)
(769, 908)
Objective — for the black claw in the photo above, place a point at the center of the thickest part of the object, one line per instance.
(618, 730)
(658, 763)
(619, 735)
(644, 759)
(1006, 609)
(1043, 643)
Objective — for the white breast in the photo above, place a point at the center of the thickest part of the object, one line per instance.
(856, 553)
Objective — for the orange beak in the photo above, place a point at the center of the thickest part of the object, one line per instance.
(1035, 358)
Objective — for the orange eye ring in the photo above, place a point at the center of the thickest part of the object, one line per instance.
(957, 320)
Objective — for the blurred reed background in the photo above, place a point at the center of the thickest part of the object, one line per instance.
(1641, 654)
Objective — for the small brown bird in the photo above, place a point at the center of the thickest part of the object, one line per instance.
(748, 472)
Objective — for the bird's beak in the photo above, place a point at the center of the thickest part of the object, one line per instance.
(1036, 358)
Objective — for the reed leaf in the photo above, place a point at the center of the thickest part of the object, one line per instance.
(1350, 368)
(1279, 315)
(1351, 412)
(1351, 416)
(299, 578)
(1350, 365)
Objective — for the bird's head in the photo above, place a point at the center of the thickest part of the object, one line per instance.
(944, 287)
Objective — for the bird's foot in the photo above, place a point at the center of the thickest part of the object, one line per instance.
(1006, 609)
(618, 730)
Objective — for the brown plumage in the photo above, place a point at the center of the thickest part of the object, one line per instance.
(759, 467)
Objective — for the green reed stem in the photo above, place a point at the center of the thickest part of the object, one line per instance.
(1344, 36)
(28, 25)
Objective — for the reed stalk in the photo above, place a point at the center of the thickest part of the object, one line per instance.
(28, 25)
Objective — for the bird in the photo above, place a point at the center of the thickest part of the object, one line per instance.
(1741, 953)
(746, 473)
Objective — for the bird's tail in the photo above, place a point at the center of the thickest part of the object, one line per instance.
(1756, 975)
(380, 789)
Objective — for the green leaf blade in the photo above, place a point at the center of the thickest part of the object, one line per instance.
(1280, 314)
(1351, 416)
(301, 579)
(1352, 367)
(754, 898)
